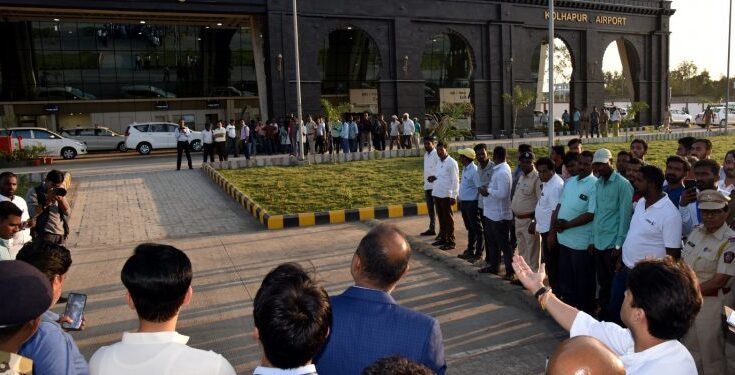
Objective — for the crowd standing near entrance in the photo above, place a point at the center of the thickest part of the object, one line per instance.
(636, 262)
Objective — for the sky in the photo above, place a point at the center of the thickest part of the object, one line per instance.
(698, 33)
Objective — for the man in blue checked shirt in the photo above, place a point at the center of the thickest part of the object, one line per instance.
(468, 195)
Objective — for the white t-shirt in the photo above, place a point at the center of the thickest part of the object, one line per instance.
(430, 162)
(24, 236)
(667, 358)
(394, 128)
(550, 197)
(207, 136)
(219, 134)
(408, 127)
(652, 230)
(231, 131)
(156, 353)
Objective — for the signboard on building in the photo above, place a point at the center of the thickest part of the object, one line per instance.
(364, 100)
(453, 96)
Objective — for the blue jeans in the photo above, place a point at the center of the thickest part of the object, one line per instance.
(617, 295)
(346, 145)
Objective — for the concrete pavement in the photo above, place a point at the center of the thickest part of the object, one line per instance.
(113, 212)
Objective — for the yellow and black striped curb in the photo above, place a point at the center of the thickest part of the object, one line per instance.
(313, 218)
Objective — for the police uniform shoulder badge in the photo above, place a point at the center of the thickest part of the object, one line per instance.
(728, 257)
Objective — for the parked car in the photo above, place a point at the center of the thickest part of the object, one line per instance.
(145, 92)
(719, 116)
(537, 120)
(148, 136)
(63, 93)
(97, 138)
(678, 116)
(55, 144)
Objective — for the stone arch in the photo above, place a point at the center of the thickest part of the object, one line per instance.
(630, 59)
(365, 63)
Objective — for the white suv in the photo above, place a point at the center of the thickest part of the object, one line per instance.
(55, 144)
(147, 136)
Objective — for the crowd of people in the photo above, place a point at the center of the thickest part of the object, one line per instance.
(590, 222)
(636, 262)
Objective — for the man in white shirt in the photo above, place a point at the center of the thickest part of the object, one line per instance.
(430, 162)
(183, 136)
(244, 138)
(288, 341)
(551, 187)
(8, 186)
(655, 231)
(444, 192)
(158, 281)
(231, 138)
(408, 129)
(395, 132)
(219, 133)
(726, 185)
(207, 143)
(656, 317)
(497, 216)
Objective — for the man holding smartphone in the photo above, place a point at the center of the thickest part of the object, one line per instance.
(52, 350)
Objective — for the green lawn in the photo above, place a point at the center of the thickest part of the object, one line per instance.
(290, 190)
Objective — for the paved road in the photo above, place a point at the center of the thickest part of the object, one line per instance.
(231, 253)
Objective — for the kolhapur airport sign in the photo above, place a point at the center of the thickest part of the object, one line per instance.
(579, 17)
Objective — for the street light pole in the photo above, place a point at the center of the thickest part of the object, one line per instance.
(299, 110)
(550, 121)
(727, 80)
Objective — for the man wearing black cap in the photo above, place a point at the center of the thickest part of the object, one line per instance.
(27, 294)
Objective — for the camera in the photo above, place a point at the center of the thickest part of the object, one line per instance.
(59, 191)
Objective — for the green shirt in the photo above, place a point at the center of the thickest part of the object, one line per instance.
(336, 129)
(613, 211)
(577, 198)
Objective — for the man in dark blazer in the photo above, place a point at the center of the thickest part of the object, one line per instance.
(367, 323)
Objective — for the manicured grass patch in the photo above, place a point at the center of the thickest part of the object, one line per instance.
(290, 190)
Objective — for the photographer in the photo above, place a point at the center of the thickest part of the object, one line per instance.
(183, 136)
(47, 203)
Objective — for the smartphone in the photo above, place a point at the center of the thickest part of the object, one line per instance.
(75, 310)
(690, 183)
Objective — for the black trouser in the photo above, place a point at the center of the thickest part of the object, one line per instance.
(430, 206)
(497, 240)
(471, 218)
(50, 237)
(550, 257)
(406, 141)
(220, 150)
(605, 267)
(577, 278)
(320, 146)
(208, 150)
(181, 147)
(446, 220)
(336, 144)
(232, 146)
(353, 145)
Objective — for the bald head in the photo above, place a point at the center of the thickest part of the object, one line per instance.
(382, 257)
(584, 355)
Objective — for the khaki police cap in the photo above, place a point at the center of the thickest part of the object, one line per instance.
(712, 200)
(25, 291)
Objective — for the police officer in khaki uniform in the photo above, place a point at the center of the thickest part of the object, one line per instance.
(523, 205)
(710, 251)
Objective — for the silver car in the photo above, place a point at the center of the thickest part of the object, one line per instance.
(97, 138)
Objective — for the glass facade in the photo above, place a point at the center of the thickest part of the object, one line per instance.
(349, 60)
(86, 61)
(446, 63)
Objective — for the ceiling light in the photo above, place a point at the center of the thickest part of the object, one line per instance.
(56, 20)
(219, 23)
(349, 27)
(142, 22)
(206, 27)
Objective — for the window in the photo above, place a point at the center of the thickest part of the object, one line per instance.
(172, 128)
(86, 132)
(159, 128)
(25, 133)
(142, 128)
(102, 133)
(42, 134)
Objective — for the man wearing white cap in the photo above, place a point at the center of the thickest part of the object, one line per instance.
(710, 251)
(613, 194)
(468, 195)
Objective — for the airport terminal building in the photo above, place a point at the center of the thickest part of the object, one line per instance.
(83, 62)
